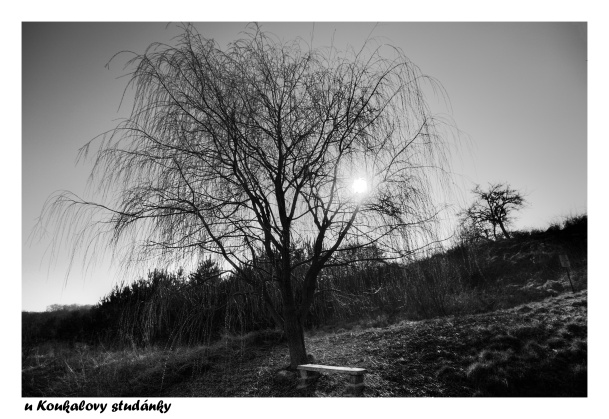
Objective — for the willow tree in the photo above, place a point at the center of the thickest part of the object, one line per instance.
(259, 147)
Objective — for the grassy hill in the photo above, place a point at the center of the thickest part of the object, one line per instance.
(535, 349)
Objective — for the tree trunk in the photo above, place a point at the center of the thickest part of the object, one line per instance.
(295, 335)
(505, 233)
(293, 328)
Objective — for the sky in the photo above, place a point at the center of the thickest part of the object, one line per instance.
(517, 91)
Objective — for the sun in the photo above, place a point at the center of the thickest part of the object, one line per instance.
(360, 186)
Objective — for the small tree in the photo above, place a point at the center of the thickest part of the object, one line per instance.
(259, 149)
(494, 207)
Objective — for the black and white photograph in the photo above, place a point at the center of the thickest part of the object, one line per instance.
(302, 209)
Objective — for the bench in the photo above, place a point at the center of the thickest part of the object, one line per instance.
(310, 372)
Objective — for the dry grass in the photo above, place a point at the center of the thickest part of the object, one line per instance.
(536, 349)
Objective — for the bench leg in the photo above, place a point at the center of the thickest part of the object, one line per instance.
(355, 386)
(307, 378)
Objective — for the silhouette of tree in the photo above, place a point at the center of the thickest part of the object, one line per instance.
(492, 208)
(255, 149)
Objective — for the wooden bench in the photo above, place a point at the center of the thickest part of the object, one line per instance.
(310, 372)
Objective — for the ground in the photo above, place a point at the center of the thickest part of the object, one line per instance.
(536, 349)
(533, 349)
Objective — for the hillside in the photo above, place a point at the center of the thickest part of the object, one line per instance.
(535, 349)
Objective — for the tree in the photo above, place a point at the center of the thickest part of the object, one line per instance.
(492, 208)
(260, 149)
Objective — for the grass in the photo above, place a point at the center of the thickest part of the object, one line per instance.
(535, 349)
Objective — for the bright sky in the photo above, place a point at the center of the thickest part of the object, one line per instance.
(517, 92)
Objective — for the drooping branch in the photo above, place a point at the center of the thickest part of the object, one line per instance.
(246, 151)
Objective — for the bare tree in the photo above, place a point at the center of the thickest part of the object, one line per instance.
(493, 208)
(259, 148)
